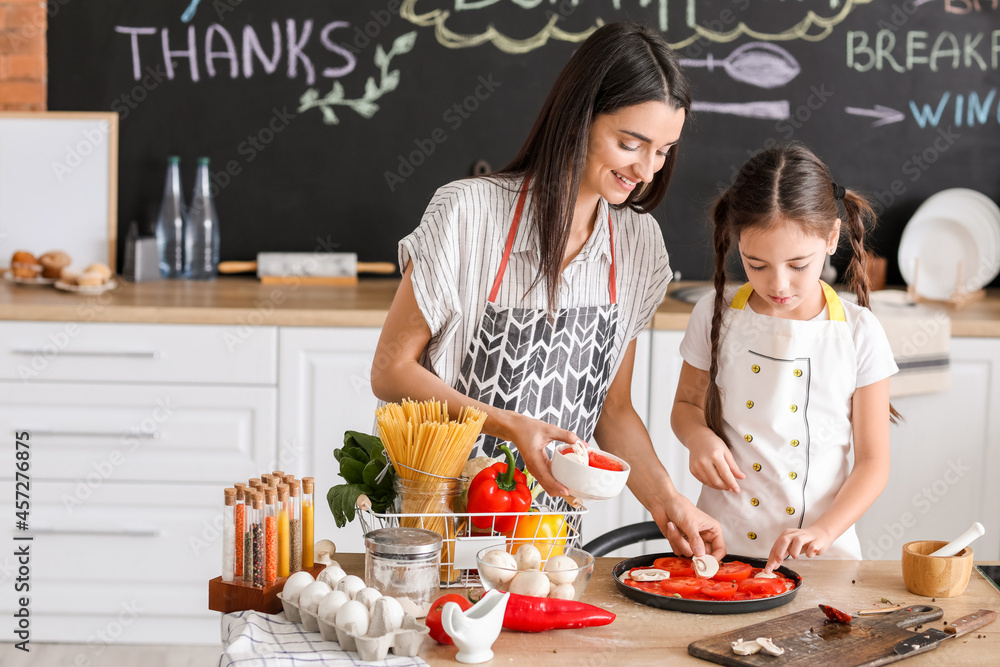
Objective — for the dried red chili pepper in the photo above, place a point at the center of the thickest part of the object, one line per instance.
(531, 614)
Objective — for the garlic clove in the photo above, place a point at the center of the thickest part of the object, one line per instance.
(705, 566)
(649, 575)
(323, 552)
(769, 646)
(741, 647)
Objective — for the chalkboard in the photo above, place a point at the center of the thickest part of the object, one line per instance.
(330, 124)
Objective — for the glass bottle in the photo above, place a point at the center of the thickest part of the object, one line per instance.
(308, 522)
(283, 517)
(248, 536)
(258, 539)
(404, 563)
(295, 524)
(201, 239)
(171, 223)
(270, 534)
(228, 534)
(240, 522)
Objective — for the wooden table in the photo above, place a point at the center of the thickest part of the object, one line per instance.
(642, 635)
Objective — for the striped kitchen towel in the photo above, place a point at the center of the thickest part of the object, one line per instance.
(253, 639)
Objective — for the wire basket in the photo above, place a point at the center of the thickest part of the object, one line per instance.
(463, 540)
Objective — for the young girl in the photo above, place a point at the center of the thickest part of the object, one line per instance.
(780, 374)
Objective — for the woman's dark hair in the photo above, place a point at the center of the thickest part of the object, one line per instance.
(778, 185)
(620, 65)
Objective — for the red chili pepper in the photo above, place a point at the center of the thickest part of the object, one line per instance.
(499, 488)
(531, 614)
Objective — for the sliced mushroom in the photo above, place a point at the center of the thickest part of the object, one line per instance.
(741, 647)
(765, 575)
(705, 566)
(649, 575)
(769, 646)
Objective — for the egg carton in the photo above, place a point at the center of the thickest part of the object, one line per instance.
(403, 642)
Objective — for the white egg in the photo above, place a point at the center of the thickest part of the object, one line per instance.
(331, 574)
(387, 616)
(351, 585)
(294, 585)
(312, 594)
(353, 612)
(367, 597)
(330, 604)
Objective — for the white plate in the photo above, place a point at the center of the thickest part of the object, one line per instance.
(89, 289)
(939, 245)
(28, 281)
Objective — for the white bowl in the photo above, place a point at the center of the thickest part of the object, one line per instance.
(586, 482)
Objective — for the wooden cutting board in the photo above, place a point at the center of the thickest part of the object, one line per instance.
(809, 638)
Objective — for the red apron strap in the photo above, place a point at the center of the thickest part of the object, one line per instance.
(611, 278)
(510, 241)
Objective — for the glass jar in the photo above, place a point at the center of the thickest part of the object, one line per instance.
(431, 495)
(404, 563)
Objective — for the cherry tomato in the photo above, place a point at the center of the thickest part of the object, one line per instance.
(686, 587)
(733, 571)
(762, 587)
(434, 617)
(675, 565)
(719, 590)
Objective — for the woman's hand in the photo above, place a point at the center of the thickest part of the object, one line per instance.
(690, 531)
(712, 462)
(794, 542)
(530, 436)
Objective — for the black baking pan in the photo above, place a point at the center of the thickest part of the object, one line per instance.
(702, 606)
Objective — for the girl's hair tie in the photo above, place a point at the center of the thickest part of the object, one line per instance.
(838, 191)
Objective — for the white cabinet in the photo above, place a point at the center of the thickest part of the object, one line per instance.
(945, 461)
(324, 389)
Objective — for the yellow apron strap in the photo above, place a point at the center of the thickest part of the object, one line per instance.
(833, 303)
(741, 298)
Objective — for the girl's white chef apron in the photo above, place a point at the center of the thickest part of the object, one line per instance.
(786, 390)
(555, 367)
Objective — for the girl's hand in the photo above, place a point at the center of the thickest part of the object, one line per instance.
(712, 463)
(811, 541)
(690, 531)
(530, 436)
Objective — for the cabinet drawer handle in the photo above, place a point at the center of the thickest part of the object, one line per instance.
(127, 532)
(155, 435)
(154, 354)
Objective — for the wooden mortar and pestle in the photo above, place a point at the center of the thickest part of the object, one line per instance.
(934, 568)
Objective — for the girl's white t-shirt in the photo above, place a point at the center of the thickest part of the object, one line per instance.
(874, 355)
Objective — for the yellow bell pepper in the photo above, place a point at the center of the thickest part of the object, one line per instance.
(547, 532)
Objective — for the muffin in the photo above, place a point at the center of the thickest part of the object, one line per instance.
(91, 279)
(24, 265)
(100, 269)
(53, 263)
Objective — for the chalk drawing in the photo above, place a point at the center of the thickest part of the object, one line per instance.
(365, 106)
(757, 63)
(190, 11)
(772, 110)
(885, 115)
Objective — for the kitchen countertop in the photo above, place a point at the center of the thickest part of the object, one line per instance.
(244, 300)
(643, 635)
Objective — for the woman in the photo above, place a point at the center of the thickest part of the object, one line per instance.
(523, 293)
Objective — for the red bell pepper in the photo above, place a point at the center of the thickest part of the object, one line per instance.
(531, 614)
(499, 488)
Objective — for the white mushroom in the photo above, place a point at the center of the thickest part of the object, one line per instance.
(769, 646)
(351, 584)
(535, 584)
(331, 574)
(561, 569)
(563, 592)
(506, 566)
(529, 558)
(741, 647)
(765, 575)
(368, 597)
(705, 566)
(649, 575)
(323, 552)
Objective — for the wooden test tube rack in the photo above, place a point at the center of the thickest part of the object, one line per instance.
(230, 596)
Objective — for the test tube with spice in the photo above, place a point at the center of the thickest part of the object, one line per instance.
(287, 479)
(266, 480)
(308, 517)
(270, 534)
(254, 483)
(258, 539)
(228, 533)
(239, 520)
(295, 523)
(283, 517)
(280, 474)
(248, 536)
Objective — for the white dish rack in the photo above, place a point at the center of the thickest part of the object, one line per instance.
(463, 540)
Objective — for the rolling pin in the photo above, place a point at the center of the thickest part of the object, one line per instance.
(312, 268)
